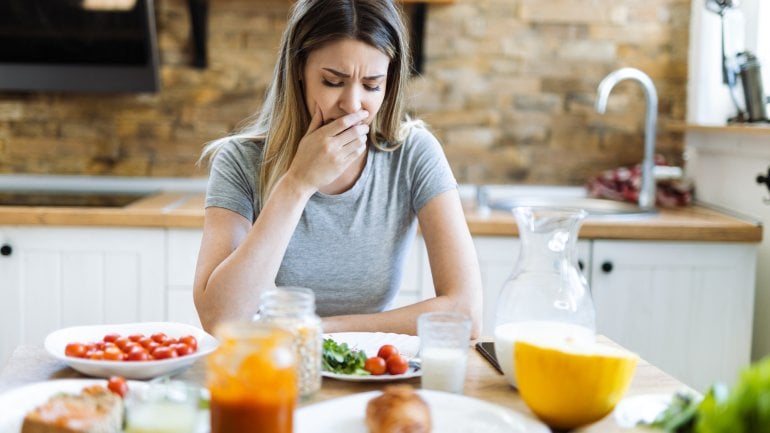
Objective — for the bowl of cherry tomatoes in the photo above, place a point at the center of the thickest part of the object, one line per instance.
(132, 350)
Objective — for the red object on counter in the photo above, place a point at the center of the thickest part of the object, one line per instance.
(624, 183)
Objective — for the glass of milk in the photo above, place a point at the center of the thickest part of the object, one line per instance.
(162, 407)
(444, 342)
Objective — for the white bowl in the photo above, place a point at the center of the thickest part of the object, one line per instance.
(57, 341)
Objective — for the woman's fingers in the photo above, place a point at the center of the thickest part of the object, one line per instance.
(316, 121)
(357, 132)
(344, 123)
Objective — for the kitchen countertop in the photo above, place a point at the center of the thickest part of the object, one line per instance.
(185, 210)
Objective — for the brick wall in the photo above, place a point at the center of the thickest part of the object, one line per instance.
(508, 87)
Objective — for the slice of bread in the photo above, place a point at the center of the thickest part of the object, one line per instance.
(95, 410)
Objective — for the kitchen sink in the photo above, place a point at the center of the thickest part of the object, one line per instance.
(506, 197)
(69, 198)
(594, 206)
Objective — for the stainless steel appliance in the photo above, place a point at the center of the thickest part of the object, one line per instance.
(753, 91)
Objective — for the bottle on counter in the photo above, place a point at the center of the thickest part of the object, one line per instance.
(293, 308)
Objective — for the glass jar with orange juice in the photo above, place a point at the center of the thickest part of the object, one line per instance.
(252, 378)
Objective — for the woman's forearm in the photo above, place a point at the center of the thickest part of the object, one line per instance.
(404, 320)
(233, 287)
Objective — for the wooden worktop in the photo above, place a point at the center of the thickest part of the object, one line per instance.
(185, 210)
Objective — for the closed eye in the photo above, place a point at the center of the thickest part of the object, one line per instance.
(330, 84)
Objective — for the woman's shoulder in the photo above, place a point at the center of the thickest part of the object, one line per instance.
(242, 145)
(240, 151)
(419, 140)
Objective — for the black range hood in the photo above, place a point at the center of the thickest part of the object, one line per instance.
(78, 46)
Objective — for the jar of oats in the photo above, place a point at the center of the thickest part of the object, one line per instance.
(293, 308)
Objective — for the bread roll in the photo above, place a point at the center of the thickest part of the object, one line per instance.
(398, 410)
(95, 410)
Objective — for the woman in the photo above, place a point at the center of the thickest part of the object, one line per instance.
(324, 189)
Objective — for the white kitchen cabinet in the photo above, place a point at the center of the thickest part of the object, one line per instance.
(725, 165)
(182, 257)
(57, 277)
(685, 307)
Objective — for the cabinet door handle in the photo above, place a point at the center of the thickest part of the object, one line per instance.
(581, 265)
(6, 250)
(607, 267)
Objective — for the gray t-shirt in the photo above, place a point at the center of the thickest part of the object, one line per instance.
(349, 248)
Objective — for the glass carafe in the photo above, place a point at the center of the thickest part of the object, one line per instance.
(546, 293)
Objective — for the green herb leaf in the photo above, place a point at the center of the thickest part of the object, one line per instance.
(341, 359)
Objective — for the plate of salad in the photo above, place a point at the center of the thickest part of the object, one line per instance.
(370, 356)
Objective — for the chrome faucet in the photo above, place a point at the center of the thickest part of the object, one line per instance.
(647, 193)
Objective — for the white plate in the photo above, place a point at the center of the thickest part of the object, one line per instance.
(450, 413)
(17, 402)
(56, 341)
(646, 407)
(370, 343)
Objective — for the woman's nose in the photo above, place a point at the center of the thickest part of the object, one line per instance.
(350, 100)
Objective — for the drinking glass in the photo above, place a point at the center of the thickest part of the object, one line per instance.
(163, 407)
(444, 342)
(252, 378)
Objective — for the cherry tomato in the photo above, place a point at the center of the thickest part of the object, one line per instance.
(164, 352)
(145, 341)
(182, 349)
(76, 350)
(113, 354)
(138, 353)
(159, 337)
(397, 364)
(387, 351)
(130, 346)
(121, 343)
(108, 345)
(135, 337)
(97, 355)
(117, 385)
(100, 345)
(190, 341)
(90, 347)
(375, 365)
(170, 341)
(152, 346)
(110, 338)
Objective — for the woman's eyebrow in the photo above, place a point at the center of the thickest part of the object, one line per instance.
(344, 75)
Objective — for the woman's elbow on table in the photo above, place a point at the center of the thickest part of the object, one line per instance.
(474, 312)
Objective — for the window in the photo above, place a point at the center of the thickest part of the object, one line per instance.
(709, 101)
(763, 42)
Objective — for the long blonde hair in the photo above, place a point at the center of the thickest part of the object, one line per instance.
(284, 117)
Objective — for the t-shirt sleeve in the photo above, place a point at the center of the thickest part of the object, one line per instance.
(430, 171)
(232, 180)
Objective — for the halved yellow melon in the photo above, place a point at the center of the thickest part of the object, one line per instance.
(568, 384)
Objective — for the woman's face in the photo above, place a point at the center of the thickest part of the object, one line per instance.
(343, 77)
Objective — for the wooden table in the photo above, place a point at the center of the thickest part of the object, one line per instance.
(30, 364)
